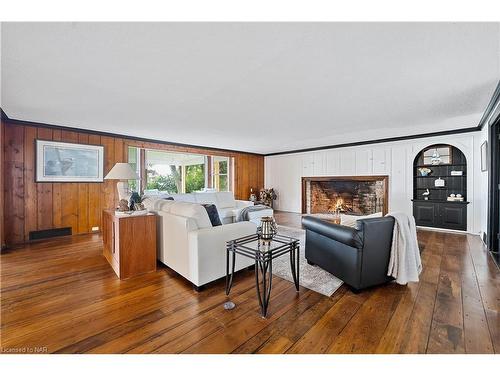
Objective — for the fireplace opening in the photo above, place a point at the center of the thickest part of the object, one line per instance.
(354, 195)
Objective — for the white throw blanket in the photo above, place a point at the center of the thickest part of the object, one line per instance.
(404, 264)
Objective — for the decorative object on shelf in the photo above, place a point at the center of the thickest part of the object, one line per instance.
(267, 196)
(68, 162)
(437, 155)
(136, 202)
(435, 158)
(456, 173)
(122, 172)
(253, 197)
(455, 198)
(267, 228)
(439, 182)
(426, 194)
(424, 171)
(123, 205)
(484, 156)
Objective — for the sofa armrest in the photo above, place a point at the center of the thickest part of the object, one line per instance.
(243, 204)
(207, 251)
(346, 235)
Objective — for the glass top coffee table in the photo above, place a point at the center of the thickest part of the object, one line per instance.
(263, 252)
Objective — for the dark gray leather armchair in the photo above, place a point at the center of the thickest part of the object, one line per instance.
(358, 256)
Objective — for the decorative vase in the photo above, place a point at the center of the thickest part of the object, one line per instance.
(424, 171)
(435, 158)
(267, 228)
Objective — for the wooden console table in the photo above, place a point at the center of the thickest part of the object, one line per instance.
(129, 243)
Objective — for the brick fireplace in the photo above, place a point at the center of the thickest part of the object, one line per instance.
(357, 195)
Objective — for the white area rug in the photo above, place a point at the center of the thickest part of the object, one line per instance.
(310, 277)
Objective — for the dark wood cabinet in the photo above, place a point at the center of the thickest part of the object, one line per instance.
(425, 213)
(431, 200)
(452, 215)
(129, 243)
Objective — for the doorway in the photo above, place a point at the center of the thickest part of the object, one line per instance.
(493, 240)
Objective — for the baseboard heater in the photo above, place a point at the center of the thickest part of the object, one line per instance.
(49, 233)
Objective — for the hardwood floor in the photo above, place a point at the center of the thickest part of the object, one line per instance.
(61, 296)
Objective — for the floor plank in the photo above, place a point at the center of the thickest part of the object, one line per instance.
(61, 294)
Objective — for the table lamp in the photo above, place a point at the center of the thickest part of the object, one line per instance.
(122, 172)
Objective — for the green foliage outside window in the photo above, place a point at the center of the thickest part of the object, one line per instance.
(162, 183)
(195, 177)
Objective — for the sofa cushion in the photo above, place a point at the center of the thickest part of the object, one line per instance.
(152, 203)
(213, 215)
(205, 198)
(192, 210)
(226, 212)
(225, 199)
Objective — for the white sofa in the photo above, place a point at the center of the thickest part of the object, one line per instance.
(188, 244)
(227, 207)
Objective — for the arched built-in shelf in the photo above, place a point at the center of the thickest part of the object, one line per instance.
(432, 205)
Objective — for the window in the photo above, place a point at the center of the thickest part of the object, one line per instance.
(170, 172)
(177, 173)
(220, 173)
(134, 159)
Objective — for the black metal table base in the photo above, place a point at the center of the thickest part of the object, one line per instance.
(263, 269)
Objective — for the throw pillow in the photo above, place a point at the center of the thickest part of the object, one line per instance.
(213, 215)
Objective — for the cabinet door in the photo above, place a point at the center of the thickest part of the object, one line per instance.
(453, 216)
(425, 213)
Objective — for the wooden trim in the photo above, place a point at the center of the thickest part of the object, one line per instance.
(143, 170)
(384, 178)
(208, 174)
(2, 178)
(202, 148)
(489, 112)
(493, 222)
(375, 141)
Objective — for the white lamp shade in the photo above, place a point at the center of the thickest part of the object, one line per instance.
(121, 171)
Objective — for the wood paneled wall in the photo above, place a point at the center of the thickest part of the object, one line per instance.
(30, 206)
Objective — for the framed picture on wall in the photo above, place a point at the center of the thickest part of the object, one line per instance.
(484, 156)
(68, 162)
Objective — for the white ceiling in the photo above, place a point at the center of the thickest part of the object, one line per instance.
(259, 87)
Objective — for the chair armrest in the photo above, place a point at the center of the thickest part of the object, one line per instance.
(346, 235)
(243, 204)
